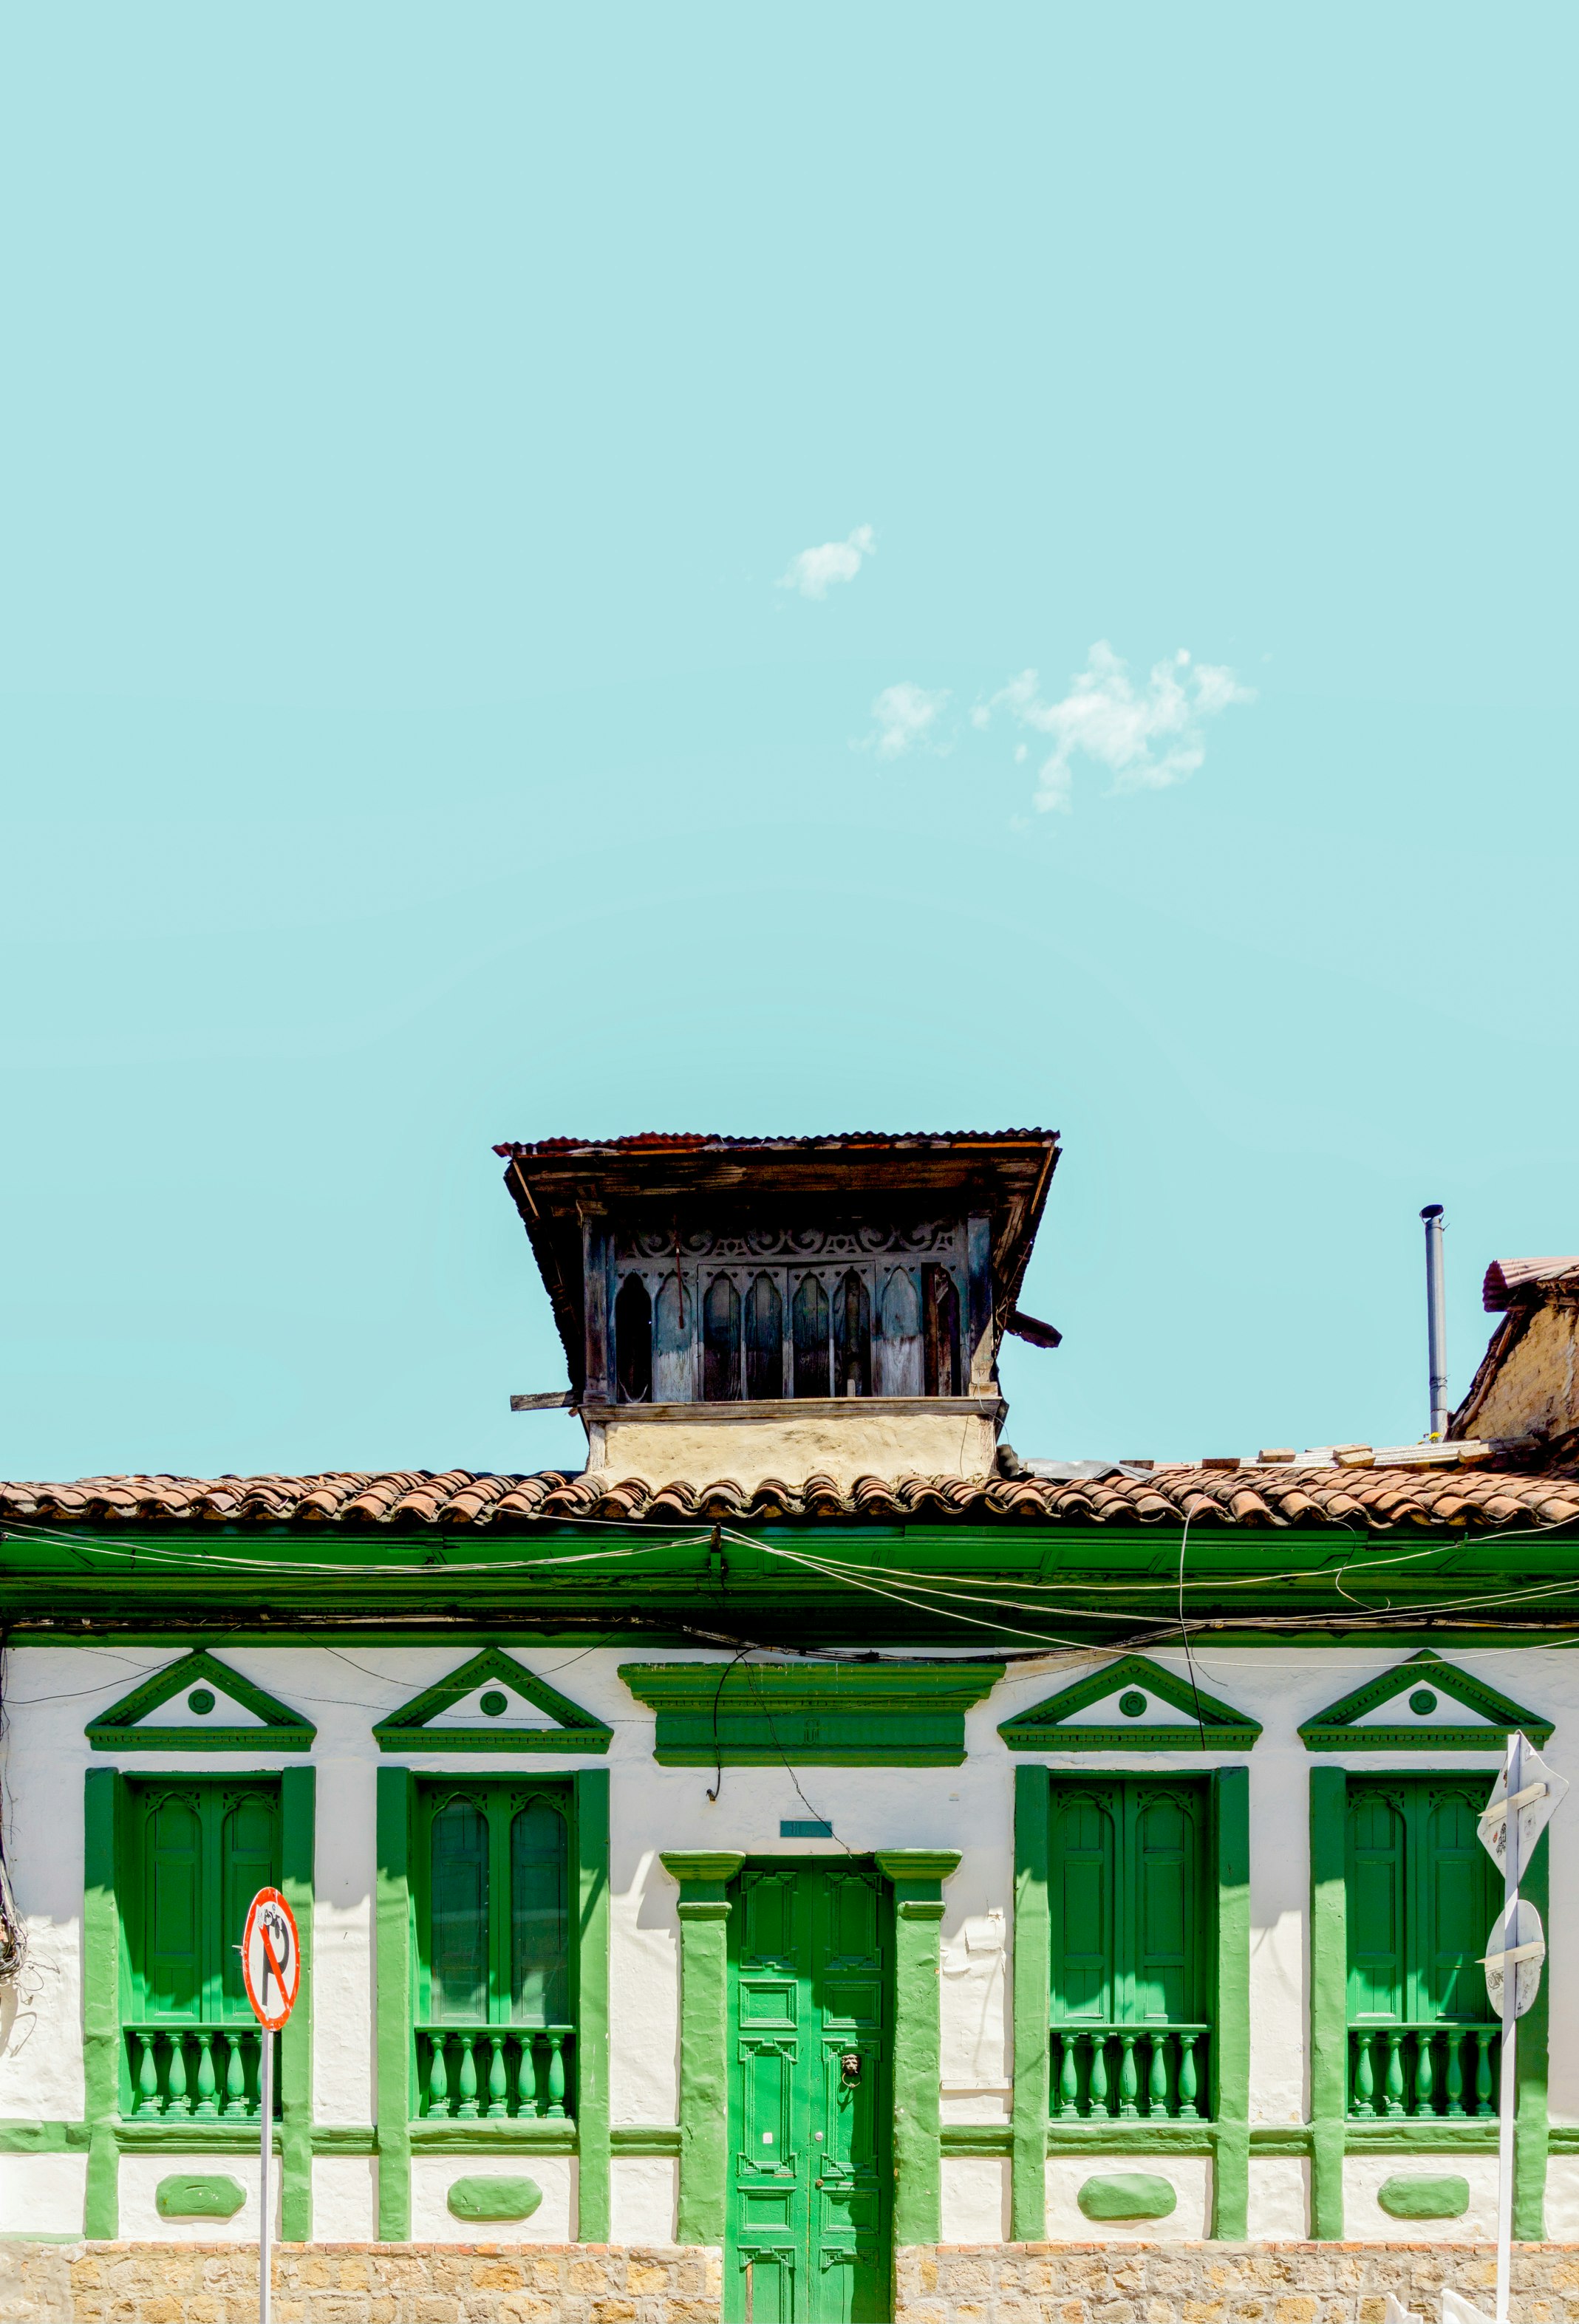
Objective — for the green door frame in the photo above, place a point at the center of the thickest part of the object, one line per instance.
(917, 1875)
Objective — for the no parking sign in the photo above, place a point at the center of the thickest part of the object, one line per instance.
(270, 1958)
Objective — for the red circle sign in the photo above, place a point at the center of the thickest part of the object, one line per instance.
(270, 1958)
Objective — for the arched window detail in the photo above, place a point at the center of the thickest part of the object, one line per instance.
(540, 1933)
(633, 1341)
(764, 1339)
(898, 1346)
(173, 1959)
(459, 1893)
(941, 1331)
(809, 1322)
(246, 1861)
(852, 1337)
(673, 1374)
(721, 1342)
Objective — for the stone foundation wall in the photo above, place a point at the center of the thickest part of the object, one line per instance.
(948, 2283)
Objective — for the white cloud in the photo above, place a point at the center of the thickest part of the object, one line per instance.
(906, 716)
(1147, 737)
(815, 570)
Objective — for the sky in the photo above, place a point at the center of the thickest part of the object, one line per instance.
(580, 571)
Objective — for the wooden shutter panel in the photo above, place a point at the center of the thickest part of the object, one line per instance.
(808, 1321)
(1166, 1885)
(459, 1903)
(1460, 1903)
(539, 1934)
(172, 1908)
(1376, 1865)
(1083, 1882)
(249, 1859)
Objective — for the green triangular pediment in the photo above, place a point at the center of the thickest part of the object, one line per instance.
(207, 1707)
(1393, 1713)
(1131, 1705)
(491, 1704)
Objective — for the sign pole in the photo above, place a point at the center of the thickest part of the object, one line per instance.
(271, 1972)
(266, 2108)
(1508, 2061)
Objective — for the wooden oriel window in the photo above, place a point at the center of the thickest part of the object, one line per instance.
(633, 1341)
(809, 1318)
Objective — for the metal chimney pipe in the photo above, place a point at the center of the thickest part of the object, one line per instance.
(1436, 1321)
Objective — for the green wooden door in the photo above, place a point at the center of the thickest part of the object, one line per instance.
(810, 2095)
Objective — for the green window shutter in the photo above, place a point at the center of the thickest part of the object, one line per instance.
(1166, 1883)
(170, 1973)
(1085, 1879)
(539, 1932)
(458, 1893)
(1460, 1903)
(1375, 1853)
(248, 1843)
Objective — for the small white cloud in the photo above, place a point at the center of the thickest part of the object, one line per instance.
(906, 716)
(815, 570)
(1147, 737)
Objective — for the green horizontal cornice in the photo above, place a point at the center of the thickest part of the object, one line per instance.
(844, 1714)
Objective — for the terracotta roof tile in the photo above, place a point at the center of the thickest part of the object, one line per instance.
(1484, 1497)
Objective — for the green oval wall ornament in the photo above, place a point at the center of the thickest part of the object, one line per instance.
(1420, 2198)
(1128, 2195)
(494, 2199)
(201, 1701)
(1133, 1703)
(493, 1704)
(1422, 1703)
(195, 2195)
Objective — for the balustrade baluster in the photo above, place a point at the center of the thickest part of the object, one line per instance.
(147, 2099)
(1098, 2085)
(1070, 2074)
(466, 2083)
(1394, 2082)
(1129, 2082)
(1055, 2046)
(1424, 2075)
(179, 2103)
(206, 2101)
(526, 2079)
(1188, 2086)
(1363, 2100)
(498, 2089)
(556, 2077)
(1454, 2069)
(1482, 2040)
(438, 2075)
(1157, 2086)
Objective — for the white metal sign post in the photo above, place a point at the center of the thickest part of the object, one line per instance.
(1522, 1800)
(270, 1969)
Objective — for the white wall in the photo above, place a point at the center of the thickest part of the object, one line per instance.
(52, 1691)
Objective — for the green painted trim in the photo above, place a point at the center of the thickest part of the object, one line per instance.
(1335, 1729)
(978, 2139)
(1563, 2138)
(1042, 1728)
(1329, 2002)
(101, 2000)
(704, 2020)
(917, 1874)
(493, 2199)
(1279, 2138)
(645, 2138)
(514, 2138)
(592, 2026)
(393, 2006)
(896, 1714)
(1137, 2137)
(118, 1728)
(201, 2195)
(1530, 2116)
(345, 2138)
(407, 1729)
(1417, 2197)
(1231, 2016)
(1129, 2195)
(1438, 2137)
(1033, 1985)
(21, 2137)
(297, 1796)
(193, 2137)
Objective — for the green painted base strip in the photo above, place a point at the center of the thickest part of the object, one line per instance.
(977, 2138)
(645, 2138)
(514, 2138)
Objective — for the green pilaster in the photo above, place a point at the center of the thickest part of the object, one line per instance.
(1529, 2117)
(1028, 2213)
(297, 1803)
(592, 2032)
(101, 2001)
(917, 1874)
(1329, 2036)
(704, 2061)
(1231, 2166)
(393, 1939)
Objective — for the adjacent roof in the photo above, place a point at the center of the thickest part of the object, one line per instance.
(692, 1176)
(1495, 1496)
(1527, 1282)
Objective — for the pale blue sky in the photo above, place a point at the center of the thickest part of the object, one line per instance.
(409, 416)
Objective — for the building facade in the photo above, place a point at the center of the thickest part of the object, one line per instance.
(810, 1840)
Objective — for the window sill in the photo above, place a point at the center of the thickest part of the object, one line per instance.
(510, 2137)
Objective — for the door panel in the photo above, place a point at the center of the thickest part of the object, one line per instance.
(811, 2099)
